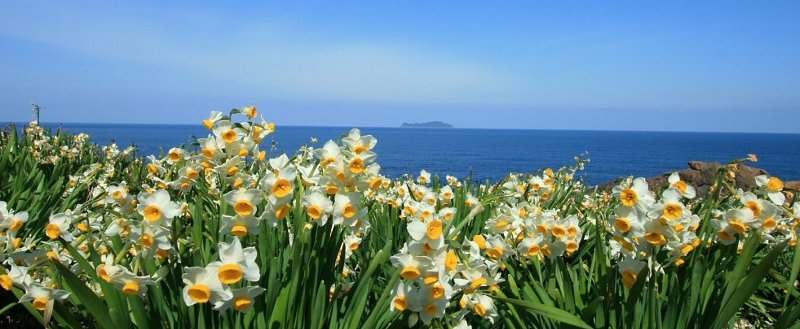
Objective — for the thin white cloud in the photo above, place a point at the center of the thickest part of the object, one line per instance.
(262, 58)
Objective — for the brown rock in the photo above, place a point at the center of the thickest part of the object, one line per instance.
(701, 176)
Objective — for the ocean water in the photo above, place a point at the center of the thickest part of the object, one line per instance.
(490, 154)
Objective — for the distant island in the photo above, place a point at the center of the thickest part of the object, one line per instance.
(431, 124)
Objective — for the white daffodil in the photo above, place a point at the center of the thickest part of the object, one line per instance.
(16, 275)
(236, 263)
(228, 132)
(212, 119)
(59, 226)
(636, 195)
(203, 286)
(772, 187)
(239, 226)
(411, 267)
(424, 177)
(670, 206)
(150, 238)
(318, 207)
(630, 268)
(329, 153)
(531, 247)
(242, 300)
(40, 296)
(244, 202)
(347, 209)
(686, 190)
(157, 208)
(280, 185)
(357, 143)
(131, 284)
(13, 221)
(176, 155)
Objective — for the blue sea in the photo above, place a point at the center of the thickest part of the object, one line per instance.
(490, 154)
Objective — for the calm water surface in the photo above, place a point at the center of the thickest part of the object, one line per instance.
(492, 153)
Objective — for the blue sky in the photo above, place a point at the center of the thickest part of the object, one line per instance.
(623, 65)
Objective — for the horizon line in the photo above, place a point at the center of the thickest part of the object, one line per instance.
(425, 128)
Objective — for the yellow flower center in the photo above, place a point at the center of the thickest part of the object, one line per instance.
(495, 253)
(282, 211)
(724, 235)
(770, 223)
(737, 226)
(480, 240)
(208, 123)
(230, 273)
(774, 184)
(533, 250)
(451, 261)
(680, 186)
(475, 284)
(15, 225)
(629, 278)
(116, 195)
(672, 211)
(239, 230)
(314, 211)
(146, 240)
(233, 170)
(686, 249)
(282, 188)
(131, 288)
(357, 165)
(40, 303)
(558, 231)
(572, 246)
(199, 293)
(6, 282)
(243, 207)
(349, 211)
(400, 303)
(434, 230)
(152, 213)
(251, 112)
(174, 156)
(431, 309)
(655, 238)
(437, 291)
(229, 136)
(360, 148)
(479, 309)
(754, 207)
(53, 231)
(410, 273)
(242, 303)
(629, 197)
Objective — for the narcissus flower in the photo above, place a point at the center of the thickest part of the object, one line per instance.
(239, 226)
(203, 286)
(630, 269)
(318, 207)
(686, 190)
(59, 226)
(772, 187)
(244, 202)
(242, 300)
(40, 296)
(157, 208)
(236, 263)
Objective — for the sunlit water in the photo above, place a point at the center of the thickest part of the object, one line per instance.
(492, 153)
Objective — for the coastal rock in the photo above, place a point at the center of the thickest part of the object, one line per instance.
(701, 175)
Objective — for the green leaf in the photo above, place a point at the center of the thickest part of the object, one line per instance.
(94, 305)
(550, 312)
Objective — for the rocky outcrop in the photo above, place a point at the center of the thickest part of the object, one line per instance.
(701, 176)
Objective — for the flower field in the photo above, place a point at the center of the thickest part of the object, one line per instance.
(224, 234)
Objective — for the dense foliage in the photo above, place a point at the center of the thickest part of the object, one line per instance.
(223, 234)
